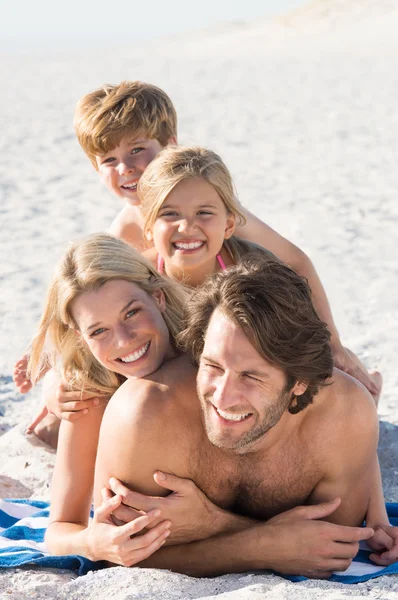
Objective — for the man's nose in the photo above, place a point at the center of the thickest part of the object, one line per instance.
(224, 395)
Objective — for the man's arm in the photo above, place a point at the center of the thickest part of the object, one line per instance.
(258, 232)
(292, 543)
(349, 452)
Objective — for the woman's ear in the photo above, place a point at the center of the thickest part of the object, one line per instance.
(149, 236)
(159, 297)
(230, 226)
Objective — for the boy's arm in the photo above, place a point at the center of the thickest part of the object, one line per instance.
(258, 232)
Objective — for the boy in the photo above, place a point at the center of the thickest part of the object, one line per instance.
(122, 128)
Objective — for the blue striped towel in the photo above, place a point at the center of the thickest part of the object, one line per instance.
(23, 524)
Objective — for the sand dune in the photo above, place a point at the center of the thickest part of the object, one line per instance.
(306, 120)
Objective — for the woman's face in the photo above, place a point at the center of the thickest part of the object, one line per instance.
(123, 327)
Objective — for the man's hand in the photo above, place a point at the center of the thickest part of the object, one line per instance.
(385, 543)
(306, 546)
(345, 360)
(193, 516)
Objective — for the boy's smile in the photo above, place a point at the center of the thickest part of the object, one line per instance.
(121, 168)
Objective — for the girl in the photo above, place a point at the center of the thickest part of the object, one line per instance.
(109, 316)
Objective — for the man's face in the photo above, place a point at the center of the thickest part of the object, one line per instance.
(242, 395)
(121, 168)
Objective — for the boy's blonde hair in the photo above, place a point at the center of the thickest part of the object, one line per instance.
(175, 164)
(112, 112)
(86, 266)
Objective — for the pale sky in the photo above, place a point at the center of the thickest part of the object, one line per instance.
(37, 24)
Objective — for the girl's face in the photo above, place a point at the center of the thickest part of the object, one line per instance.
(124, 328)
(191, 226)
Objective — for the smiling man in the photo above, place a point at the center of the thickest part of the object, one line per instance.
(275, 428)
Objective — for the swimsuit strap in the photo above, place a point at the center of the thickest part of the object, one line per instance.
(160, 264)
(221, 262)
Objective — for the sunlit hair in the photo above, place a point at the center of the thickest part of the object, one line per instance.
(272, 305)
(86, 266)
(175, 164)
(131, 109)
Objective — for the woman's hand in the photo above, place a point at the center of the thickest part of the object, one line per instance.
(193, 516)
(124, 545)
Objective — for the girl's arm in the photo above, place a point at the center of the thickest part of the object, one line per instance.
(258, 232)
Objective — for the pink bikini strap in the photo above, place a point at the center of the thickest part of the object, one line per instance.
(160, 264)
(221, 262)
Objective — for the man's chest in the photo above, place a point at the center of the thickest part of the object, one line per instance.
(259, 488)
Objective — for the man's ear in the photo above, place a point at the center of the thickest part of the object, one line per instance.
(160, 299)
(230, 226)
(299, 388)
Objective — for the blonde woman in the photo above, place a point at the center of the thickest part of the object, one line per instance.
(109, 316)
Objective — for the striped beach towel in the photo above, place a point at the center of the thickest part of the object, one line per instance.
(23, 524)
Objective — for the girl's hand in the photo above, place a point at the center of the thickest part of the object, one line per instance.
(124, 545)
(347, 361)
(193, 516)
(65, 404)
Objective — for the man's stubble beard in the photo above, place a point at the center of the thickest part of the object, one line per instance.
(271, 417)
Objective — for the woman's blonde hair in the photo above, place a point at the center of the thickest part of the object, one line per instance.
(86, 266)
(175, 164)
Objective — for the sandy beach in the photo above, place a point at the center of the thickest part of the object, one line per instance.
(303, 110)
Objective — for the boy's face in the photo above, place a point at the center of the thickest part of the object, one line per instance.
(121, 168)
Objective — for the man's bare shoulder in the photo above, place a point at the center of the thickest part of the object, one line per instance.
(150, 424)
(343, 410)
(127, 226)
(158, 394)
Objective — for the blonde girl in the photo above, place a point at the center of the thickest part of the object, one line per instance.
(190, 212)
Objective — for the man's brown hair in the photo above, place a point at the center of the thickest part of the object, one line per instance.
(273, 307)
(112, 112)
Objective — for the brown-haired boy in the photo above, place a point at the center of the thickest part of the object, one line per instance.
(122, 128)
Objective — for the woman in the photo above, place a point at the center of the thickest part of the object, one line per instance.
(108, 316)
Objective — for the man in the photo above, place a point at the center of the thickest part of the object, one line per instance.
(275, 428)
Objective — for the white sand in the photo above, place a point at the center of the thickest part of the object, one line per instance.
(304, 112)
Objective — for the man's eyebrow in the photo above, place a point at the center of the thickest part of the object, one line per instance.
(252, 372)
(203, 357)
(129, 303)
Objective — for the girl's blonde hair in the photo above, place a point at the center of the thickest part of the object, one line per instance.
(86, 266)
(175, 164)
